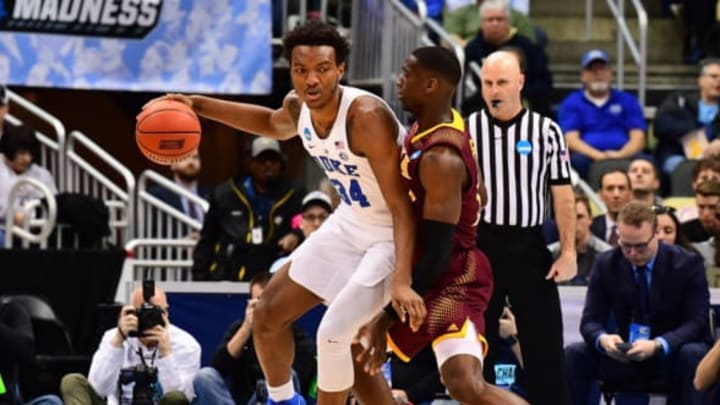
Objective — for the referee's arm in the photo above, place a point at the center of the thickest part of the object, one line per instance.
(565, 266)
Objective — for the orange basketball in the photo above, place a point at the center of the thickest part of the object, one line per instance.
(167, 131)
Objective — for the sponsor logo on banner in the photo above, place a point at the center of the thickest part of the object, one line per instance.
(99, 18)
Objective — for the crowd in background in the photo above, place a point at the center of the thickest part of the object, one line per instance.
(258, 218)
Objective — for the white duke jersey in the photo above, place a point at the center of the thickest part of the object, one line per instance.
(350, 174)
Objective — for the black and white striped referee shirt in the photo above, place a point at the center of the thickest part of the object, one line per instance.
(519, 160)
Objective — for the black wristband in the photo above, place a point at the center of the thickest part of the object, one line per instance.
(437, 244)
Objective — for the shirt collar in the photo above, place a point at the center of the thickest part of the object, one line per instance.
(650, 264)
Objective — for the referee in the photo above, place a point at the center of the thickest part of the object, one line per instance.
(523, 160)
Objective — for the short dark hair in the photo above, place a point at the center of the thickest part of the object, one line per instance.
(705, 164)
(19, 138)
(316, 33)
(624, 173)
(439, 60)
(635, 213)
(580, 197)
(262, 279)
(652, 164)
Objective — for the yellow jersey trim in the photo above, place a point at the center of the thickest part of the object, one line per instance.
(457, 124)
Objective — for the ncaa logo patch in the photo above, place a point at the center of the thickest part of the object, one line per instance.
(523, 147)
(616, 109)
(344, 156)
(307, 134)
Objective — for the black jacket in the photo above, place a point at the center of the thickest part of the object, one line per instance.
(244, 371)
(226, 250)
(675, 117)
(16, 346)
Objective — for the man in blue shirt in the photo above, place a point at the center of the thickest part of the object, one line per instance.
(600, 122)
(645, 315)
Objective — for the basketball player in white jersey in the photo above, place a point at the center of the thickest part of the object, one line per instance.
(348, 262)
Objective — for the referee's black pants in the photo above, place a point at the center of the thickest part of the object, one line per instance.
(520, 262)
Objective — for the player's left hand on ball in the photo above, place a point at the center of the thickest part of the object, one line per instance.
(408, 303)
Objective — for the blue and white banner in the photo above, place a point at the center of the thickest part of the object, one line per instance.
(207, 46)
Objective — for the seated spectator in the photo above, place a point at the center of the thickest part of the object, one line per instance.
(705, 169)
(509, 366)
(316, 208)
(659, 298)
(668, 229)
(600, 122)
(234, 371)
(707, 197)
(20, 149)
(615, 193)
(247, 217)
(124, 350)
(185, 174)
(644, 181)
(496, 33)
(326, 187)
(16, 349)
(587, 245)
(684, 116)
(463, 22)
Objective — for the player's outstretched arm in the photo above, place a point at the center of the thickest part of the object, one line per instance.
(280, 123)
(373, 133)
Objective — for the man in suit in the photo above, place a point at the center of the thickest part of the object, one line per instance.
(185, 174)
(656, 297)
(615, 193)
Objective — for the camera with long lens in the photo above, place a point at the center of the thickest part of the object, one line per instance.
(148, 315)
(145, 379)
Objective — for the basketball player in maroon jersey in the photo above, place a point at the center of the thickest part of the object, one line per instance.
(443, 301)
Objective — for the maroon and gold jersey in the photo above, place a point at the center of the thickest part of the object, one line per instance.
(450, 134)
(463, 292)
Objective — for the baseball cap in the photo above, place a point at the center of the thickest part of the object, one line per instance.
(593, 55)
(261, 144)
(4, 96)
(317, 198)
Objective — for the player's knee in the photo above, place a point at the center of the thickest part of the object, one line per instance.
(268, 317)
(464, 387)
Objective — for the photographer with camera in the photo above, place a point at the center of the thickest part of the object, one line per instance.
(144, 360)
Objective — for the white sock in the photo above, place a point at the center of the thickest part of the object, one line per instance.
(282, 393)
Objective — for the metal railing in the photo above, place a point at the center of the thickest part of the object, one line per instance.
(384, 32)
(157, 259)
(52, 155)
(624, 37)
(45, 222)
(84, 177)
(158, 219)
